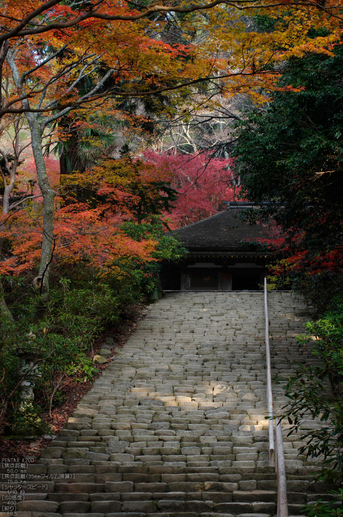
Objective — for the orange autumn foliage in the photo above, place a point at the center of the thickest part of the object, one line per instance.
(86, 232)
(82, 236)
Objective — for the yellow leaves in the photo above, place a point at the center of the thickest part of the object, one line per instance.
(293, 31)
(220, 41)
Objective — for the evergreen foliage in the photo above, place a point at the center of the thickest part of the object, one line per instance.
(290, 154)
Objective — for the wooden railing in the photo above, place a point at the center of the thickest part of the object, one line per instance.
(276, 452)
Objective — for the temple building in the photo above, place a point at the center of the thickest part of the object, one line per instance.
(221, 254)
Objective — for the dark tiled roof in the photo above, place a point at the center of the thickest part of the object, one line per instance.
(224, 231)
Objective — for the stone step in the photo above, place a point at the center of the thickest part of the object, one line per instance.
(120, 497)
(62, 496)
(37, 506)
(147, 506)
(35, 514)
(255, 495)
(76, 488)
(176, 426)
(231, 502)
(137, 514)
(71, 470)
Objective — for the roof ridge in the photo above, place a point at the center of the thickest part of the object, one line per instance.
(201, 221)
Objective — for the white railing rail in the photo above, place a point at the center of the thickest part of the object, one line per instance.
(269, 381)
(276, 451)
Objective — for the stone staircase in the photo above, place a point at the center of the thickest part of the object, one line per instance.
(176, 425)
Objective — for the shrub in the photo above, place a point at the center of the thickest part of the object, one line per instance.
(327, 508)
(317, 390)
(50, 342)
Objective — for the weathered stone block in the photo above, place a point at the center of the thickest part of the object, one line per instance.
(105, 496)
(72, 506)
(151, 487)
(78, 487)
(105, 506)
(118, 486)
(37, 506)
(135, 506)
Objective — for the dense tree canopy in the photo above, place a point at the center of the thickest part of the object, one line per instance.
(290, 154)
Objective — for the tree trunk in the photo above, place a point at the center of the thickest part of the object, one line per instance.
(4, 46)
(48, 199)
(4, 310)
(43, 181)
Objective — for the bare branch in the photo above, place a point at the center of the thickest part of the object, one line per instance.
(85, 98)
(44, 62)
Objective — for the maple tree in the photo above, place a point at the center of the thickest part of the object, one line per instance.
(66, 76)
(92, 207)
(203, 183)
(103, 262)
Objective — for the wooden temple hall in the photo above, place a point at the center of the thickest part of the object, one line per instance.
(220, 256)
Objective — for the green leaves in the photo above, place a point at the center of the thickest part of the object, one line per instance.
(291, 152)
(332, 508)
(326, 338)
(290, 155)
(316, 391)
(141, 278)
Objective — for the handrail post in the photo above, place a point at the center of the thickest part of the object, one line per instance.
(282, 505)
(281, 473)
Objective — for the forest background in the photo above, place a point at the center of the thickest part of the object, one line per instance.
(121, 120)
